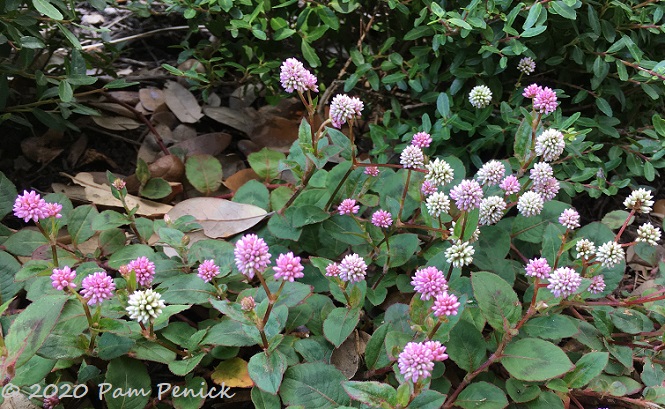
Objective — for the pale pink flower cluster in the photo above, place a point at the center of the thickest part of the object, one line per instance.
(539, 268)
(429, 282)
(348, 206)
(251, 255)
(421, 140)
(544, 98)
(352, 268)
(63, 278)
(97, 287)
(417, 359)
(372, 170)
(467, 195)
(295, 77)
(570, 219)
(344, 108)
(382, 218)
(510, 185)
(564, 281)
(208, 270)
(144, 269)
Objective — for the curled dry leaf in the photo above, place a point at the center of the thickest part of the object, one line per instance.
(241, 177)
(219, 217)
(116, 123)
(347, 357)
(182, 103)
(169, 168)
(100, 194)
(210, 143)
(151, 98)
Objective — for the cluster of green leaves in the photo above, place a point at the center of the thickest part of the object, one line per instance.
(607, 59)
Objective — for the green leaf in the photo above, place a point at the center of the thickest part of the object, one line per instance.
(267, 371)
(109, 219)
(564, 10)
(604, 106)
(122, 375)
(532, 359)
(186, 365)
(266, 163)
(35, 43)
(155, 188)
(111, 346)
(129, 253)
(74, 42)
(550, 327)
(315, 386)
(482, 395)
(306, 215)
(522, 140)
(8, 195)
(658, 125)
(427, 399)
(496, 298)
(9, 267)
(533, 15)
(402, 249)
(310, 54)
(204, 172)
(194, 400)
(616, 218)
(520, 391)
(587, 368)
(263, 400)
(371, 393)
(80, 223)
(339, 324)
(24, 242)
(45, 7)
(31, 328)
(255, 193)
(65, 91)
(466, 346)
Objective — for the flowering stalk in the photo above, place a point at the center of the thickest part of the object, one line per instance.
(119, 190)
(52, 242)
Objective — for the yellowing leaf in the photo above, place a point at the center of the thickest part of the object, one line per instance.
(233, 374)
(219, 217)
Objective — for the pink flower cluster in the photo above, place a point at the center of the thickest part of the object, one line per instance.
(421, 140)
(544, 98)
(288, 267)
(344, 108)
(251, 255)
(295, 77)
(63, 278)
(97, 287)
(417, 359)
(382, 218)
(208, 270)
(144, 269)
(467, 195)
(348, 206)
(30, 205)
(430, 282)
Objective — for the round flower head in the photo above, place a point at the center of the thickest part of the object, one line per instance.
(526, 65)
(640, 201)
(550, 145)
(480, 96)
(145, 306)
(51, 402)
(352, 268)
(119, 184)
(564, 281)
(428, 187)
(510, 185)
(545, 101)
(344, 108)
(460, 254)
(412, 157)
(538, 267)
(421, 140)
(531, 91)
(445, 304)
(372, 170)
(548, 188)
(288, 267)
(208, 270)
(63, 278)
(648, 233)
(247, 303)
(382, 218)
(53, 210)
(439, 172)
(541, 172)
(585, 248)
(429, 282)
(491, 210)
(295, 77)
(597, 285)
(251, 255)
(348, 206)
(530, 204)
(610, 254)
(332, 270)
(491, 173)
(467, 195)
(437, 203)
(97, 287)
(570, 219)
(30, 205)
(417, 359)
(145, 270)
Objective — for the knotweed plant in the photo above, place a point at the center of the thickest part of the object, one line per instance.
(446, 287)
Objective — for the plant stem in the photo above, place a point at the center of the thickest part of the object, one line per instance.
(404, 191)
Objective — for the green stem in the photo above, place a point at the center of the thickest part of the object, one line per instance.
(339, 186)
(404, 191)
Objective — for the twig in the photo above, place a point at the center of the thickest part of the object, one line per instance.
(140, 35)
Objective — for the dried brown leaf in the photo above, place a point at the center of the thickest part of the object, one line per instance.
(165, 117)
(76, 150)
(210, 143)
(182, 103)
(128, 97)
(115, 108)
(37, 149)
(244, 120)
(151, 98)
(181, 133)
(116, 123)
(219, 217)
(241, 177)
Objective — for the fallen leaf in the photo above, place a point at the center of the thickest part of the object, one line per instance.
(219, 217)
(151, 98)
(113, 107)
(181, 133)
(116, 123)
(210, 143)
(232, 373)
(659, 208)
(346, 358)
(100, 194)
(244, 120)
(76, 150)
(165, 117)
(128, 97)
(38, 150)
(241, 177)
(92, 155)
(169, 168)
(182, 103)
(276, 133)
(244, 96)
